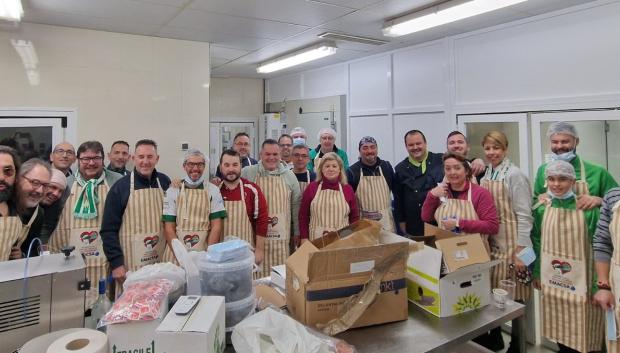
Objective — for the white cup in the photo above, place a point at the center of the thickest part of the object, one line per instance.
(500, 296)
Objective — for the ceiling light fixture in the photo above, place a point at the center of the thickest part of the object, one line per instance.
(352, 38)
(298, 57)
(11, 10)
(441, 14)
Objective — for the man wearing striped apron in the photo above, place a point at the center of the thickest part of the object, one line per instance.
(607, 263)
(281, 190)
(193, 213)
(372, 179)
(246, 206)
(13, 228)
(562, 238)
(80, 220)
(131, 228)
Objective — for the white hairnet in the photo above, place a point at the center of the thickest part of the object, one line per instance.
(58, 178)
(298, 130)
(562, 127)
(560, 168)
(326, 130)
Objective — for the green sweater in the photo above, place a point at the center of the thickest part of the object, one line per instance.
(591, 217)
(598, 178)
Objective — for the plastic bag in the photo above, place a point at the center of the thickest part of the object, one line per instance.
(167, 270)
(270, 331)
(140, 301)
(184, 257)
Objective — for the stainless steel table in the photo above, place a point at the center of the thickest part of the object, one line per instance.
(424, 332)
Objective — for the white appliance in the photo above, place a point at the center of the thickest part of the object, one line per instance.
(272, 125)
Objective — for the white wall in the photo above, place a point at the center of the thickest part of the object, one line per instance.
(235, 98)
(560, 60)
(122, 86)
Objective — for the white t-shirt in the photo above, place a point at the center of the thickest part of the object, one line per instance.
(172, 195)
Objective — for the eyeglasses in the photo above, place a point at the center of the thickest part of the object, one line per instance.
(297, 155)
(87, 160)
(36, 183)
(60, 151)
(8, 171)
(192, 164)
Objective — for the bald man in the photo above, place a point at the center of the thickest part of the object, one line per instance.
(63, 157)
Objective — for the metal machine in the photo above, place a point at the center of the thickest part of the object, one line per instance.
(51, 297)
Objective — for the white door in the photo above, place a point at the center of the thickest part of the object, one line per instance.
(513, 125)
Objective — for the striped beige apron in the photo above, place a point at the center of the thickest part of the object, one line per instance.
(457, 209)
(84, 235)
(504, 244)
(329, 211)
(566, 277)
(13, 233)
(373, 195)
(192, 223)
(614, 280)
(317, 161)
(278, 197)
(141, 233)
(237, 222)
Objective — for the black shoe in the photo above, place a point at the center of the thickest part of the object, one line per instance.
(496, 340)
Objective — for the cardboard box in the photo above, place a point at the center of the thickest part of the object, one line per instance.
(135, 336)
(201, 331)
(458, 250)
(318, 281)
(269, 296)
(278, 276)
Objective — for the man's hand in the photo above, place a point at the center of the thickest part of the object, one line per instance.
(543, 198)
(259, 256)
(176, 183)
(604, 298)
(477, 167)
(216, 181)
(119, 274)
(515, 259)
(588, 202)
(16, 253)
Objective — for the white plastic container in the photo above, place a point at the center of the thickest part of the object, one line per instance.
(232, 280)
(239, 310)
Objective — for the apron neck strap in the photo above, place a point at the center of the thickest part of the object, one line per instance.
(583, 170)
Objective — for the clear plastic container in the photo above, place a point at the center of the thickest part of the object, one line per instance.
(239, 310)
(232, 280)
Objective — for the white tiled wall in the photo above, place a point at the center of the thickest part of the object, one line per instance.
(122, 86)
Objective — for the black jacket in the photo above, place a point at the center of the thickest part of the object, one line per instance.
(410, 189)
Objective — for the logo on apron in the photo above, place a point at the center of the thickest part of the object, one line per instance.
(150, 242)
(273, 221)
(558, 278)
(151, 253)
(88, 248)
(89, 237)
(190, 240)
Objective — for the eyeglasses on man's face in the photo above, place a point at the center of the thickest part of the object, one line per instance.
(36, 183)
(60, 152)
(87, 160)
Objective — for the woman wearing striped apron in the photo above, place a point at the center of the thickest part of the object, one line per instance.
(328, 203)
(512, 194)
(13, 233)
(79, 226)
(141, 233)
(460, 205)
(192, 220)
(562, 238)
(607, 261)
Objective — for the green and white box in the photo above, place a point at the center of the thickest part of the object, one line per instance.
(201, 331)
(463, 290)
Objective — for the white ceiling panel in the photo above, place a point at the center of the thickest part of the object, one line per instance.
(222, 39)
(220, 23)
(354, 4)
(287, 11)
(116, 10)
(215, 62)
(226, 53)
(175, 3)
(538, 7)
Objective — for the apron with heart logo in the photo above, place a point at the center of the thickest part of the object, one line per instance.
(373, 195)
(141, 233)
(568, 316)
(193, 210)
(13, 233)
(504, 243)
(614, 278)
(329, 211)
(84, 235)
(278, 197)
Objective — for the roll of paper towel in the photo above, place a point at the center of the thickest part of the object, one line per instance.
(82, 341)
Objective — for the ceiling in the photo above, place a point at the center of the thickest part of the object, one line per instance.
(244, 33)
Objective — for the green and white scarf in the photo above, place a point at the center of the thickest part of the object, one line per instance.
(86, 205)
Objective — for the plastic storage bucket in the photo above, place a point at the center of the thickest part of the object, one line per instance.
(239, 310)
(232, 280)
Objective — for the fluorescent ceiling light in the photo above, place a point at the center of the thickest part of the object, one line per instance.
(11, 10)
(305, 55)
(441, 14)
(26, 52)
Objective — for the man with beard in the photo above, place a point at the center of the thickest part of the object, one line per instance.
(246, 206)
(286, 144)
(283, 198)
(372, 180)
(119, 156)
(593, 181)
(131, 228)
(81, 216)
(32, 182)
(458, 143)
(52, 204)
(194, 211)
(63, 157)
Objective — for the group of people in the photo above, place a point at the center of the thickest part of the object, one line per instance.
(121, 220)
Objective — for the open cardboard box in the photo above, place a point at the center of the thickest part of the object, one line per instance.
(465, 286)
(320, 280)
